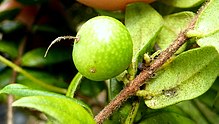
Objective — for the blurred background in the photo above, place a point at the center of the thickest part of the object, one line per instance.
(27, 27)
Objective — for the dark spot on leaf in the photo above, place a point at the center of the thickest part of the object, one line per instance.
(93, 70)
(153, 75)
(170, 92)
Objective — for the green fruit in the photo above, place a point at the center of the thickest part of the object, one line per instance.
(103, 48)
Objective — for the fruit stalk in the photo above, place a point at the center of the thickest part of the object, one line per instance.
(147, 73)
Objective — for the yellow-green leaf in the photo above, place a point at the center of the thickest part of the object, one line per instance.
(188, 76)
(173, 25)
(144, 23)
(211, 40)
(183, 3)
(207, 22)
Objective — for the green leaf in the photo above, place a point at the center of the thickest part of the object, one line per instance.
(8, 14)
(5, 77)
(207, 22)
(74, 84)
(208, 98)
(87, 87)
(188, 76)
(210, 114)
(9, 48)
(183, 3)
(43, 76)
(132, 114)
(91, 88)
(65, 111)
(24, 91)
(173, 25)
(114, 87)
(211, 40)
(163, 115)
(216, 102)
(215, 86)
(192, 111)
(35, 58)
(165, 9)
(114, 14)
(32, 78)
(167, 118)
(144, 23)
(121, 114)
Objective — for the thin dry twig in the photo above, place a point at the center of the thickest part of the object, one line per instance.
(135, 84)
(10, 98)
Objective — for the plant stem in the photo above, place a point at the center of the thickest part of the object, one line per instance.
(131, 117)
(32, 78)
(73, 85)
(135, 84)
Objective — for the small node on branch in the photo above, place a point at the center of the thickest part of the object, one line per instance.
(58, 39)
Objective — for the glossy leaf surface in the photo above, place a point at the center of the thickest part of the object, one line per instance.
(9, 48)
(24, 91)
(35, 58)
(65, 111)
(211, 40)
(43, 76)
